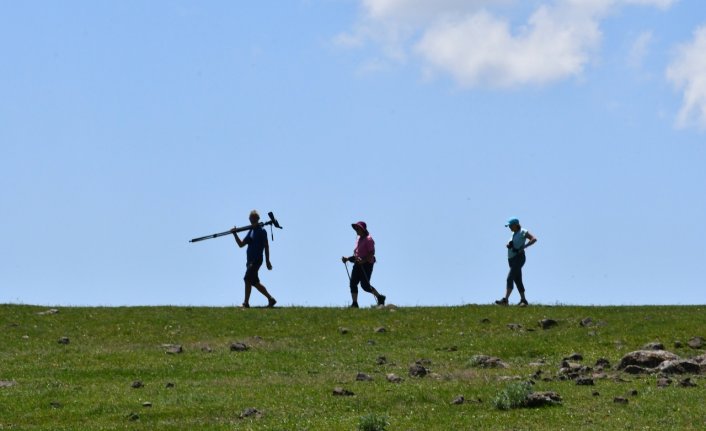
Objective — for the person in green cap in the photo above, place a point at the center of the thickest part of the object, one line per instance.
(521, 239)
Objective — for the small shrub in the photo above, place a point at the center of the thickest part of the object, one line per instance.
(513, 396)
(372, 422)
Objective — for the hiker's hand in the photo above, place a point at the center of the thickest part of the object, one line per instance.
(269, 265)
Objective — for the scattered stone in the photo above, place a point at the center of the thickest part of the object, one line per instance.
(133, 417)
(362, 377)
(380, 330)
(678, 344)
(539, 399)
(417, 370)
(64, 340)
(56, 405)
(169, 385)
(484, 361)
(381, 360)
(633, 393)
(137, 384)
(206, 349)
(696, 343)
(655, 345)
(147, 404)
(596, 394)
(449, 349)
(25, 337)
(686, 383)
(238, 347)
(635, 369)
(538, 363)
(371, 342)
(574, 357)
(600, 375)
(485, 320)
(584, 381)
(514, 326)
(679, 366)
(393, 378)
(458, 400)
(664, 382)
(341, 392)
(48, 312)
(646, 358)
(423, 361)
(603, 363)
(572, 370)
(620, 400)
(7, 383)
(586, 322)
(343, 330)
(250, 412)
(173, 349)
(548, 323)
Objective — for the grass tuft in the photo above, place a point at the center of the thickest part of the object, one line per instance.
(513, 396)
(373, 422)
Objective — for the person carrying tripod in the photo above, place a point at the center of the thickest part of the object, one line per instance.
(363, 261)
(256, 240)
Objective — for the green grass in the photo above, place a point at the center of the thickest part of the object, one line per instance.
(297, 357)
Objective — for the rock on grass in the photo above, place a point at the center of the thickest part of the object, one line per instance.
(341, 392)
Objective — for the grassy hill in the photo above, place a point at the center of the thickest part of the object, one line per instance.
(295, 358)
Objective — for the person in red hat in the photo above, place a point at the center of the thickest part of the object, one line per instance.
(363, 261)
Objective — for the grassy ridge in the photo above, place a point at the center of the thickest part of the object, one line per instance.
(298, 355)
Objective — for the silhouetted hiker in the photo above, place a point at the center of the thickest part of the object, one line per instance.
(256, 240)
(363, 261)
(516, 259)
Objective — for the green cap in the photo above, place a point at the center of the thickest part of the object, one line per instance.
(512, 221)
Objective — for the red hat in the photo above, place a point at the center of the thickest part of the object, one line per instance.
(360, 224)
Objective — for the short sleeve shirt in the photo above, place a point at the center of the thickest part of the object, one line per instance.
(518, 241)
(365, 248)
(256, 240)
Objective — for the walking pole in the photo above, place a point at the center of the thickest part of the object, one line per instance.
(347, 272)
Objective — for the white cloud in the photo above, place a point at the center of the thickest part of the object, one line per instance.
(475, 41)
(688, 74)
(639, 49)
(482, 49)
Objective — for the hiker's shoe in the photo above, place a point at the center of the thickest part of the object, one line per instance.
(523, 303)
(354, 305)
(501, 301)
(245, 305)
(381, 299)
(271, 303)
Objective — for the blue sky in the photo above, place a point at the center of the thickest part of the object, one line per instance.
(128, 128)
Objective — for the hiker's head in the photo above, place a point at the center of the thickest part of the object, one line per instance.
(254, 217)
(360, 228)
(513, 224)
